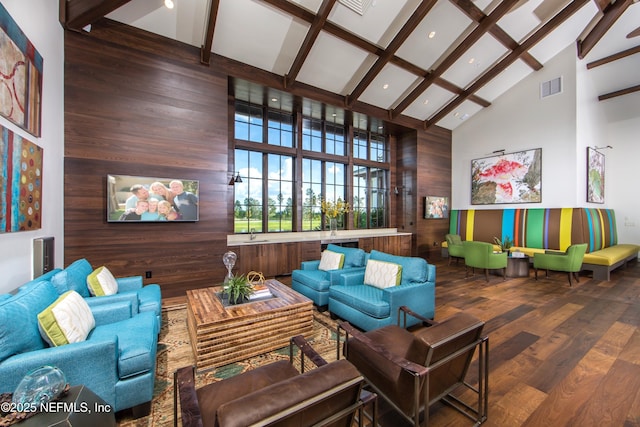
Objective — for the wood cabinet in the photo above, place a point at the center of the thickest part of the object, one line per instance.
(274, 259)
(396, 245)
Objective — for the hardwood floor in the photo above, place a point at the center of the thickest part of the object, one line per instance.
(558, 355)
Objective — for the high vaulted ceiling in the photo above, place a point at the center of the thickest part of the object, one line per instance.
(437, 61)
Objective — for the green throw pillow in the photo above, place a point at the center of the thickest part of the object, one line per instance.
(331, 261)
(101, 282)
(69, 319)
(382, 274)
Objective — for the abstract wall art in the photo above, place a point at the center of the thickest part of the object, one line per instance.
(595, 176)
(20, 76)
(20, 183)
(507, 178)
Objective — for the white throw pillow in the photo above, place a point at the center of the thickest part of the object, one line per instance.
(69, 319)
(382, 274)
(331, 261)
(101, 282)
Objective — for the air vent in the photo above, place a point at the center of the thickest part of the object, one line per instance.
(551, 87)
(358, 6)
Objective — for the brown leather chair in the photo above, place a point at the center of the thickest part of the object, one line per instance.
(276, 395)
(413, 370)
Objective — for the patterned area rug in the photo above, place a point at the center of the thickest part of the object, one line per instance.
(174, 351)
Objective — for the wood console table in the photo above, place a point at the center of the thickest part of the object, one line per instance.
(221, 335)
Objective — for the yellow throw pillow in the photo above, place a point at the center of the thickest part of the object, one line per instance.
(69, 319)
(331, 261)
(101, 282)
(382, 274)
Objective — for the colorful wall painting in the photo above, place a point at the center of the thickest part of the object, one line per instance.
(507, 178)
(20, 76)
(595, 176)
(20, 183)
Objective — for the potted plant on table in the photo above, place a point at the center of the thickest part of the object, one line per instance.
(505, 244)
(238, 289)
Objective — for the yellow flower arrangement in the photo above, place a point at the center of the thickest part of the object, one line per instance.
(333, 209)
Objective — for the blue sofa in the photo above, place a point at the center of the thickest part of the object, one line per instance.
(117, 360)
(314, 283)
(369, 307)
(74, 277)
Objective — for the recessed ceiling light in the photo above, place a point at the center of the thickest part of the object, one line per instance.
(432, 34)
(472, 60)
(334, 114)
(168, 4)
(385, 86)
(456, 114)
(426, 101)
(274, 99)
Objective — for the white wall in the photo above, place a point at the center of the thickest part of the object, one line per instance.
(38, 19)
(563, 125)
(520, 120)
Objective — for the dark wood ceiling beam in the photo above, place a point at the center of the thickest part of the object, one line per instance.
(613, 57)
(483, 27)
(476, 14)
(80, 13)
(611, 14)
(316, 26)
(534, 39)
(366, 46)
(619, 93)
(205, 50)
(408, 28)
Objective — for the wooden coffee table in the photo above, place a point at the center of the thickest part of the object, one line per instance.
(221, 335)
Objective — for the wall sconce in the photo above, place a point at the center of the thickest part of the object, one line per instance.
(235, 179)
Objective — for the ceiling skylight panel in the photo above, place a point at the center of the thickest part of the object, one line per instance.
(332, 64)
(475, 61)
(429, 103)
(447, 23)
(388, 86)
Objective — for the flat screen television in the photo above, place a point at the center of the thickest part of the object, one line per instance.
(436, 207)
(151, 199)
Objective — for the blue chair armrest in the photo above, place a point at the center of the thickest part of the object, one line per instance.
(105, 314)
(352, 279)
(334, 275)
(413, 295)
(309, 265)
(92, 363)
(131, 283)
(128, 297)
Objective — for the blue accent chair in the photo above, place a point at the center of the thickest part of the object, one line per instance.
(369, 307)
(117, 361)
(74, 277)
(314, 283)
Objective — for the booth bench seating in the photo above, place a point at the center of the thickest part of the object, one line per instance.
(539, 229)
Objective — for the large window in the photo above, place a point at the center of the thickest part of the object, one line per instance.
(269, 148)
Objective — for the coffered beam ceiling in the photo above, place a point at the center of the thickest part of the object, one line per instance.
(391, 48)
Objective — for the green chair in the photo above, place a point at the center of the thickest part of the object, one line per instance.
(454, 246)
(569, 261)
(481, 255)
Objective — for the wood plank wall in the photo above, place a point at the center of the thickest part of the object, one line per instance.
(139, 104)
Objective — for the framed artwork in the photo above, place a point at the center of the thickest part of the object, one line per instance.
(149, 199)
(507, 178)
(21, 76)
(20, 183)
(436, 207)
(595, 176)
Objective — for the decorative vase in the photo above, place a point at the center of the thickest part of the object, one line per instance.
(229, 260)
(333, 226)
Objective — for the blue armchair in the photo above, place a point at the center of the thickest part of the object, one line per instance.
(74, 277)
(369, 307)
(117, 360)
(314, 283)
